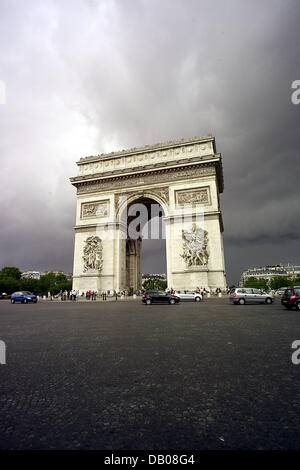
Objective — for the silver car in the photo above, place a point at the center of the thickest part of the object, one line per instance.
(246, 295)
(189, 295)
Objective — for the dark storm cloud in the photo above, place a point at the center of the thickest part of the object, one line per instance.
(85, 77)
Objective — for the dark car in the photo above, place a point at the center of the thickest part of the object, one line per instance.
(291, 298)
(24, 297)
(158, 296)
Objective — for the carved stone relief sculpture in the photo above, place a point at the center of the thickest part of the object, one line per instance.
(95, 209)
(195, 246)
(92, 254)
(197, 195)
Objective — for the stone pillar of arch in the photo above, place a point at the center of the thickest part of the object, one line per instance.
(185, 177)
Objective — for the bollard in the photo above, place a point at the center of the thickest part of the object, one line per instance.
(2, 352)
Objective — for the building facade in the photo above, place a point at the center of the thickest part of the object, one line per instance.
(184, 179)
(269, 272)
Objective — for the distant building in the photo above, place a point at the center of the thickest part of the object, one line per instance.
(268, 272)
(38, 274)
(31, 275)
(146, 277)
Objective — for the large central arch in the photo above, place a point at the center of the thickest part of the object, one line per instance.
(135, 214)
(184, 177)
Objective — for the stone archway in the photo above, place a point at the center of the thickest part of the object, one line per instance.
(184, 177)
(141, 211)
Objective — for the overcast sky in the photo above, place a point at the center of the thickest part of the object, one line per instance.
(84, 77)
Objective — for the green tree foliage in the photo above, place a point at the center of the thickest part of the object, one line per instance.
(296, 282)
(280, 281)
(10, 272)
(154, 284)
(257, 283)
(31, 285)
(10, 281)
(54, 283)
(9, 285)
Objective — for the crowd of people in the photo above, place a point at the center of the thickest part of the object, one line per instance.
(73, 295)
(89, 295)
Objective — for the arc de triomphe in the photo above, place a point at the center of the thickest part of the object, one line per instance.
(185, 178)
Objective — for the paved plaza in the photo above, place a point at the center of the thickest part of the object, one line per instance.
(122, 375)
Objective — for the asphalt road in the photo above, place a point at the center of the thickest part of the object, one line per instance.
(122, 375)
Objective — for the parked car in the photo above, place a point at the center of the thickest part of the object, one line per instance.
(291, 298)
(157, 296)
(24, 297)
(4, 295)
(281, 290)
(246, 295)
(189, 295)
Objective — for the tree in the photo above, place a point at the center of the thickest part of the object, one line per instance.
(296, 282)
(280, 281)
(10, 272)
(257, 283)
(10, 279)
(9, 285)
(30, 285)
(54, 283)
(154, 284)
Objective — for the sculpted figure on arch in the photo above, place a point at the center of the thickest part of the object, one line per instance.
(195, 246)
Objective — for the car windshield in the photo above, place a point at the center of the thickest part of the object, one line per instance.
(27, 293)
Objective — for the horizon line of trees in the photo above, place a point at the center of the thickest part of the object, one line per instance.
(11, 281)
(155, 284)
(275, 282)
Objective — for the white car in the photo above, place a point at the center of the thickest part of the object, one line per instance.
(281, 290)
(189, 295)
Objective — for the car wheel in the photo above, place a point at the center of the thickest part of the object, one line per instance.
(288, 307)
(197, 299)
(12, 301)
(148, 301)
(242, 301)
(268, 300)
(298, 306)
(172, 301)
(25, 301)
